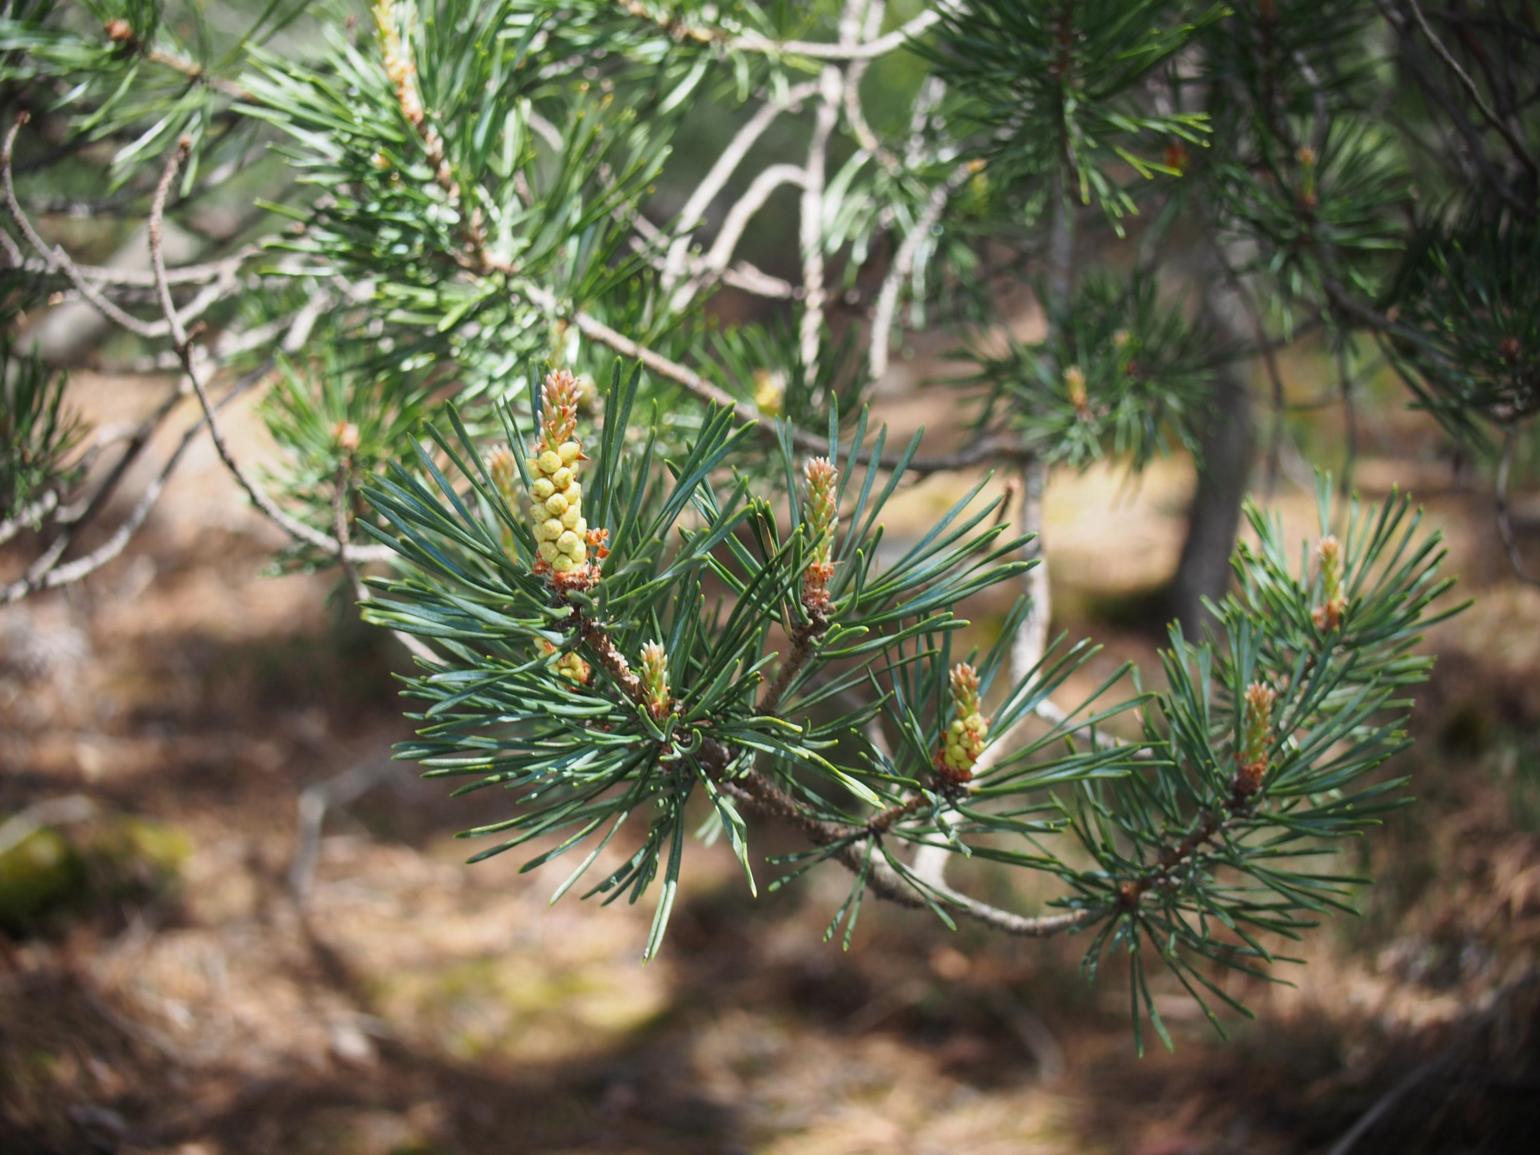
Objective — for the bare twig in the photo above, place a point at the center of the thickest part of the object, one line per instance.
(802, 639)
(1520, 152)
(191, 357)
(1504, 518)
(314, 801)
(721, 171)
(987, 448)
(903, 265)
(29, 515)
(765, 798)
(84, 566)
(735, 222)
(855, 115)
(865, 50)
(807, 49)
(195, 72)
(197, 274)
(1365, 1122)
(340, 519)
(56, 259)
(810, 225)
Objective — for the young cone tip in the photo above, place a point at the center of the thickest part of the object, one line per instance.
(1328, 555)
(563, 540)
(655, 680)
(399, 66)
(963, 741)
(821, 514)
(1256, 737)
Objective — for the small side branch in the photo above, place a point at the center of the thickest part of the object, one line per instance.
(1510, 137)
(886, 311)
(989, 448)
(191, 358)
(810, 226)
(803, 637)
(1505, 528)
(887, 883)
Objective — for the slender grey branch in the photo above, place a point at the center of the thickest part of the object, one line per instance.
(29, 515)
(855, 72)
(903, 265)
(721, 171)
(990, 447)
(885, 881)
(866, 50)
(810, 223)
(340, 520)
(56, 259)
(82, 567)
(196, 274)
(1505, 528)
(1503, 129)
(192, 359)
(734, 223)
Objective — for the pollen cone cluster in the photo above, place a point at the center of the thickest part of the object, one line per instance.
(569, 665)
(965, 736)
(556, 496)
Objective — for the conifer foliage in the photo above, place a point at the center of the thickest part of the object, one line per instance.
(638, 553)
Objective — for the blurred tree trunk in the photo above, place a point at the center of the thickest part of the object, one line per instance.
(1226, 448)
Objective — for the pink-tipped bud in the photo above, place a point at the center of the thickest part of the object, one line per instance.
(558, 408)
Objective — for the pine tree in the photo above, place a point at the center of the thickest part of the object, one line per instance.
(637, 553)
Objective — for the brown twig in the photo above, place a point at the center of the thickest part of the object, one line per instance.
(988, 448)
(803, 637)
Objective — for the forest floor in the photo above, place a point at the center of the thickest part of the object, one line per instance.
(193, 990)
